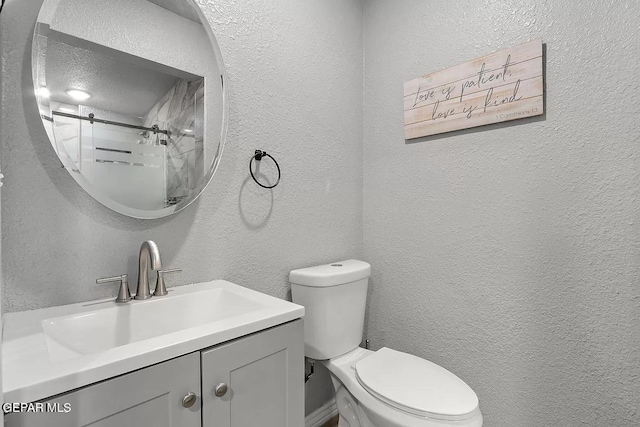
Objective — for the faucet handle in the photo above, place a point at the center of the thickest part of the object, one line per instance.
(123, 294)
(161, 289)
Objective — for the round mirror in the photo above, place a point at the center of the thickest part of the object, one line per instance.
(131, 95)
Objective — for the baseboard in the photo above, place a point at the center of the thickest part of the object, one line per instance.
(322, 414)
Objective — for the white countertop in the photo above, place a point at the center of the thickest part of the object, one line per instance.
(31, 372)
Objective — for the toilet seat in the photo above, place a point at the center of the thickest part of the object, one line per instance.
(416, 386)
(380, 413)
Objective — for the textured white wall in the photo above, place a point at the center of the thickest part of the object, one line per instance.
(295, 90)
(510, 254)
(1, 279)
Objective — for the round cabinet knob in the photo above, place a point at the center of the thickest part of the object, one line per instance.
(189, 399)
(221, 389)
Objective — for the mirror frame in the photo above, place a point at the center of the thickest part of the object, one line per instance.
(113, 204)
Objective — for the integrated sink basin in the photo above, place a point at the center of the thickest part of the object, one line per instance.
(105, 328)
(49, 351)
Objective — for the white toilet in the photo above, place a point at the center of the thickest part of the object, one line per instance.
(385, 388)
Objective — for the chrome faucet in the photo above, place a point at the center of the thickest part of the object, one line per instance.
(149, 253)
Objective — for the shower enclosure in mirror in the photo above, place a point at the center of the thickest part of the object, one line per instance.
(131, 95)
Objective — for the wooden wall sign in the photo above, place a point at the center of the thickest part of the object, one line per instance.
(505, 85)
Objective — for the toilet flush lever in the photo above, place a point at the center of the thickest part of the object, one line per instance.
(161, 288)
(123, 294)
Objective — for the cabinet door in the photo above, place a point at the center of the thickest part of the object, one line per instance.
(264, 376)
(149, 397)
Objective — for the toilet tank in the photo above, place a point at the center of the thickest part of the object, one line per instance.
(334, 298)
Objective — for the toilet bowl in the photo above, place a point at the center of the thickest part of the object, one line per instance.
(384, 388)
(370, 408)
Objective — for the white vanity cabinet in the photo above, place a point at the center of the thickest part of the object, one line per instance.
(148, 397)
(257, 380)
(262, 376)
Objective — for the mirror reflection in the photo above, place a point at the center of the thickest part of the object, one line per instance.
(131, 97)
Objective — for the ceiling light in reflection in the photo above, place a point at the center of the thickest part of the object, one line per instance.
(78, 95)
(67, 110)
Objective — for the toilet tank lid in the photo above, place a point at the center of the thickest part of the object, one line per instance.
(333, 274)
